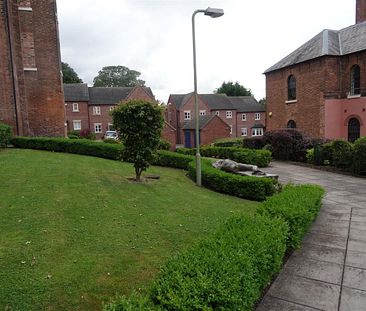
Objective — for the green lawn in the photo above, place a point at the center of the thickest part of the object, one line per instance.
(74, 232)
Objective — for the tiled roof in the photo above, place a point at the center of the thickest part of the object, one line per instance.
(108, 95)
(76, 92)
(213, 101)
(246, 104)
(203, 121)
(328, 42)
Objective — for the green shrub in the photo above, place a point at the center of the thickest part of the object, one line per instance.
(298, 206)
(227, 271)
(135, 302)
(251, 188)
(74, 133)
(341, 153)
(228, 142)
(254, 142)
(164, 145)
(111, 141)
(261, 158)
(172, 159)
(359, 156)
(5, 135)
(310, 156)
(78, 146)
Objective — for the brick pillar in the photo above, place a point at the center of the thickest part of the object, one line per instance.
(360, 11)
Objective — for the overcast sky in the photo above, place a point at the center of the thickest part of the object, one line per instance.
(154, 37)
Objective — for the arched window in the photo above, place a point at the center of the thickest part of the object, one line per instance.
(291, 124)
(355, 80)
(353, 129)
(291, 88)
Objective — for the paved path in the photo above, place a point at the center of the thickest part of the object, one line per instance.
(329, 271)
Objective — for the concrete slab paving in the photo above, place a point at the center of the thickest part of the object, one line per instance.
(328, 272)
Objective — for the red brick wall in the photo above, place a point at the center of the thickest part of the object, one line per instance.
(360, 11)
(189, 106)
(104, 118)
(230, 121)
(139, 93)
(214, 130)
(249, 123)
(82, 115)
(169, 134)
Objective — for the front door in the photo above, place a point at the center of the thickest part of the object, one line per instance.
(353, 129)
(187, 139)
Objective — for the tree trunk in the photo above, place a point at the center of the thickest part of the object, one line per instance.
(138, 172)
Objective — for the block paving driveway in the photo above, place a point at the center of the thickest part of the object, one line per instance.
(329, 271)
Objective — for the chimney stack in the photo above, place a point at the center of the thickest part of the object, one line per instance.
(360, 11)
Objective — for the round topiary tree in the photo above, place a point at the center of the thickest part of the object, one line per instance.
(140, 124)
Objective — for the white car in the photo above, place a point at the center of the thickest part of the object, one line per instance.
(111, 135)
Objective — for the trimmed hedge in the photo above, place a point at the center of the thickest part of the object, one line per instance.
(228, 142)
(359, 156)
(261, 158)
(251, 188)
(78, 146)
(298, 206)
(5, 135)
(254, 142)
(172, 159)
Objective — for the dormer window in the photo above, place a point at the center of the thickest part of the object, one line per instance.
(291, 88)
(355, 81)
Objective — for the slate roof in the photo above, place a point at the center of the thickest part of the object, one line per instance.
(328, 42)
(203, 121)
(179, 99)
(111, 95)
(213, 101)
(76, 92)
(246, 104)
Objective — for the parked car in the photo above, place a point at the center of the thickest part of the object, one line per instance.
(110, 135)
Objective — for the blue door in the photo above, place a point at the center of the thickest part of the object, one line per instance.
(187, 139)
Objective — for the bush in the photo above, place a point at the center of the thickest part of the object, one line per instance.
(73, 134)
(251, 188)
(5, 135)
(261, 158)
(134, 302)
(227, 271)
(288, 144)
(87, 134)
(229, 142)
(254, 142)
(298, 206)
(164, 145)
(111, 141)
(78, 146)
(359, 156)
(172, 159)
(341, 153)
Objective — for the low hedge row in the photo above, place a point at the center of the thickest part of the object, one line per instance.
(229, 269)
(261, 158)
(298, 206)
(172, 159)
(78, 146)
(251, 188)
(5, 135)
(229, 142)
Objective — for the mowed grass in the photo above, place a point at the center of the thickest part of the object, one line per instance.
(74, 232)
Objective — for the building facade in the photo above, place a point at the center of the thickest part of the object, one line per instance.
(244, 116)
(31, 93)
(320, 88)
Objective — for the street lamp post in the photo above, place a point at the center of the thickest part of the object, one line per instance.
(212, 12)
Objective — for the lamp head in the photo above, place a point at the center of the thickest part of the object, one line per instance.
(212, 12)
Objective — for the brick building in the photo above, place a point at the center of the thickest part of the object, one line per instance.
(88, 108)
(243, 114)
(31, 94)
(320, 88)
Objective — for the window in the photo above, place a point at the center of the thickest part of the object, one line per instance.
(217, 113)
(231, 129)
(187, 115)
(111, 108)
(111, 127)
(291, 124)
(257, 116)
(355, 80)
(76, 125)
(229, 114)
(96, 110)
(75, 107)
(291, 88)
(244, 131)
(244, 117)
(98, 127)
(257, 132)
(202, 112)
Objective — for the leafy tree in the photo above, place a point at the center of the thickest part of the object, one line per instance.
(233, 89)
(114, 76)
(140, 124)
(263, 102)
(69, 75)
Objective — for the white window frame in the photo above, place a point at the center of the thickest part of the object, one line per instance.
(257, 131)
(243, 116)
(97, 128)
(96, 110)
(257, 116)
(244, 131)
(202, 113)
(74, 123)
(111, 108)
(111, 127)
(75, 107)
(187, 115)
(217, 112)
(229, 114)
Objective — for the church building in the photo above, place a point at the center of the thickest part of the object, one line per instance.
(320, 88)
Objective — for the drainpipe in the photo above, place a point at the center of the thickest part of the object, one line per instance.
(6, 7)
